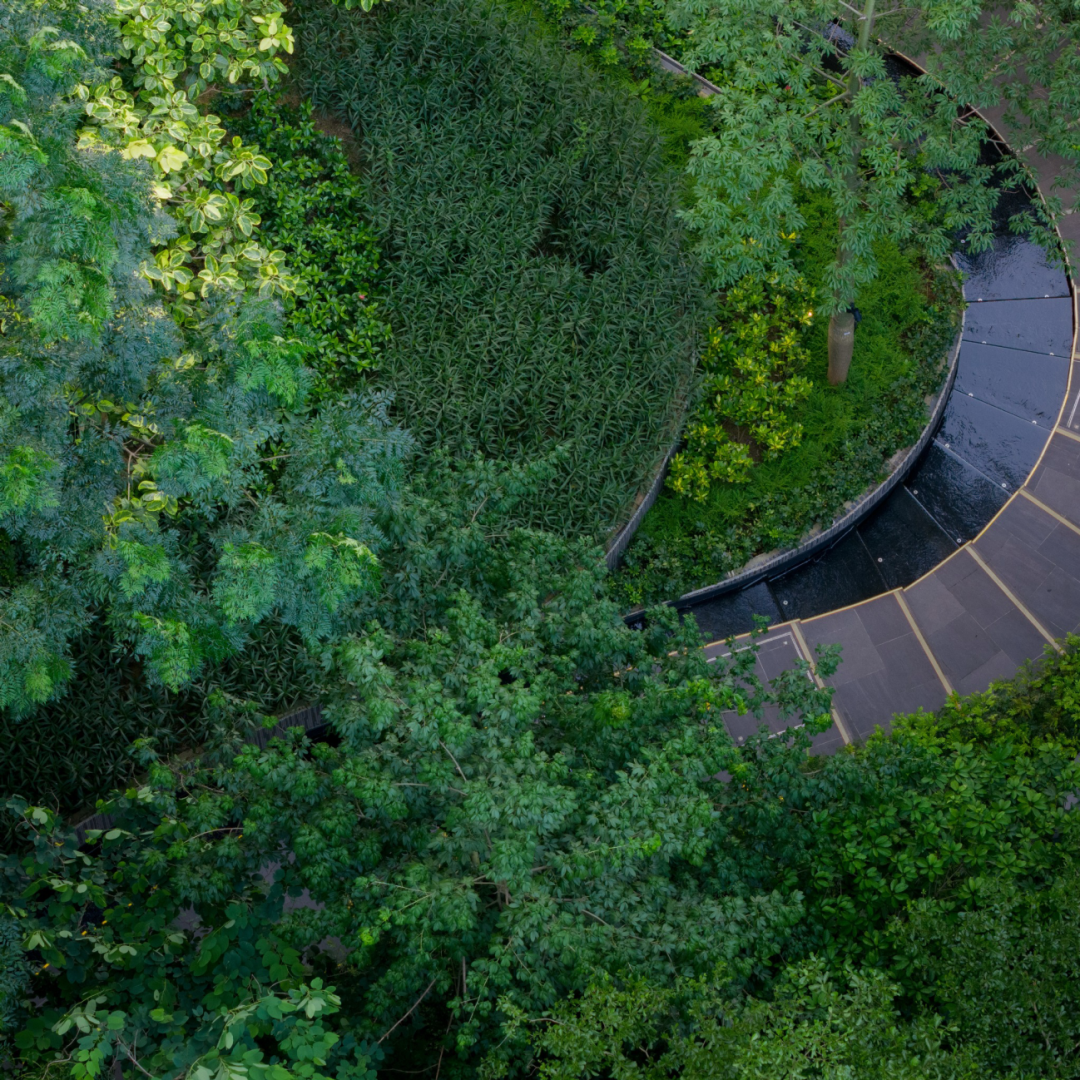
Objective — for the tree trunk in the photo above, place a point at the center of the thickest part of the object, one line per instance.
(841, 342)
(842, 324)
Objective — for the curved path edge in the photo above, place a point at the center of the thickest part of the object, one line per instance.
(1000, 600)
(773, 563)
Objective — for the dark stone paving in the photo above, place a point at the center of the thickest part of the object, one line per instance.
(1042, 326)
(845, 574)
(1014, 269)
(1038, 558)
(905, 540)
(1056, 482)
(1026, 384)
(733, 614)
(885, 669)
(1000, 444)
(955, 494)
(973, 629)
(1070, 419)
(778, 650)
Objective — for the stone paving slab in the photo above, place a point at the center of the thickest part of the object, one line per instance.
(825, 582)
(1029, 385)
(778, 650)
(1000, 444)
(955, 494)
(900, 543)
(1042, 326)
(885, 668)
(971, 626)
(1015, 269)
(1070, 419)
(1056, 482)
(733, 613)
(1038, 559)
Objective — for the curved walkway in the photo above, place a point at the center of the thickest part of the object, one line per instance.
(1008, 451)
(1002, 596)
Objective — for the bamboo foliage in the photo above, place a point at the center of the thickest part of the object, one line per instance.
(536, 283)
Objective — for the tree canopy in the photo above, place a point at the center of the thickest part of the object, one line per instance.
(808, 97)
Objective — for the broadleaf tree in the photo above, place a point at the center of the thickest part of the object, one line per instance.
(807, 98)
(166, 480)
(522, 793)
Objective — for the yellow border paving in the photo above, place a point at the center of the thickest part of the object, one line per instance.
(808, 656)
(1047, 510)
(1012, 596)
(899, 594)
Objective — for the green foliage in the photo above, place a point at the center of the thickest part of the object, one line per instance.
(997, 997)
(932, 829)
(749, 366)
(525, 764)
(312, 208)
(1006, 975)
(815, 1026)
(1041, 702)
(130, 982)
(533, 270)
(68, 222)
(14, 974)
(522, 793)
(794, 108)
(135, 450)
(178, 52)
(118, 702)
(910, 316)
(614, 34)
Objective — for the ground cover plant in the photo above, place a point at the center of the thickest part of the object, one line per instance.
(312, 209)
(534, 275)
(720, 508)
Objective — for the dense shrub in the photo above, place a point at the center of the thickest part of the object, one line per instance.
(521, 798)
(749, 387)
(534, 277)
(71, 750)
(909, 318)
(311, 207)
(165, 479)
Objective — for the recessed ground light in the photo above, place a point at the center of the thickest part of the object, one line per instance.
(1005, 485)
(785, 603)
(879, 558)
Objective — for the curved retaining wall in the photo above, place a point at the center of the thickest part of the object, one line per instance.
(775, 562)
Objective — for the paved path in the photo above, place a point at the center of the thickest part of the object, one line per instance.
(1001, 597)
(1006, 593)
